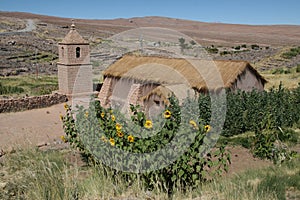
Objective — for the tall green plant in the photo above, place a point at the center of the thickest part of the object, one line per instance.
(111, 131)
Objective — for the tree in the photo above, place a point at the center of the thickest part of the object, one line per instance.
(192, 42)
(182, 44)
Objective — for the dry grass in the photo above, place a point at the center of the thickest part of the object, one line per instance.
(289, 81)
(34, 174)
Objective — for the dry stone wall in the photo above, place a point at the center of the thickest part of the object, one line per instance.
(28, 103)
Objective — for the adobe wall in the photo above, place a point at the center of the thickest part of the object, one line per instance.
(75, 79)
(248, 81)
(67, 54)
(28, 103)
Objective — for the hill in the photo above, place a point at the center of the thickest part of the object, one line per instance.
(29, 41)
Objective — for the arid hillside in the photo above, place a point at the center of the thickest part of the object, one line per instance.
(29, 41)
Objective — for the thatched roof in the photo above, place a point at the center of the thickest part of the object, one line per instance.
(165, 91)
(201, 75)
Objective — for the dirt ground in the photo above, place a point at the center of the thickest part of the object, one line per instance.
(43, 126)
(33, 127)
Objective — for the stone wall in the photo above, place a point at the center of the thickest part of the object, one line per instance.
(28, 103)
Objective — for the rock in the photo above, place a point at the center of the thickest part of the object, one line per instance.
(41, 144)
(2, 185)
(11, 150)
(2, 153)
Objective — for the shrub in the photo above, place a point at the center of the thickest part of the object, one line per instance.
(254, 46)
(298, 69)
(268, 144)
(223, 53)
(293, 52)
(213, 50)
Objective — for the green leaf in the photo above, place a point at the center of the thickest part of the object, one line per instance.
(180, 173)
(195, 177)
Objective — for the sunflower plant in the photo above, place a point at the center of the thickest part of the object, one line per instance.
(102, 128)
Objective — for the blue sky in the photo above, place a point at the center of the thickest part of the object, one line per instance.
(226, 11)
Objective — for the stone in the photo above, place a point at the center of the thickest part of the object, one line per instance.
(2, 185)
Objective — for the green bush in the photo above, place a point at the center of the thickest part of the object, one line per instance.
(268, 144)
(254, 46)
(298, 69)
(212, 49)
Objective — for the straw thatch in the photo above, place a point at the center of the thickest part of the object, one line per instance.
(201, 75)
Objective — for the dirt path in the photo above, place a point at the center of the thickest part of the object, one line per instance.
(31, 127)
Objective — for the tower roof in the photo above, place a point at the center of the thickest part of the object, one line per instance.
(73, 37)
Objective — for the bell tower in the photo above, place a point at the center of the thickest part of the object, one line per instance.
(74, 68)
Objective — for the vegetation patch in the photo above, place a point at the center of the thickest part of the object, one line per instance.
(53, 174)
(28, 85)
(293, 52)
(111, 129)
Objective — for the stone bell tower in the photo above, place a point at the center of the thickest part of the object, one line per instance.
(74, 68)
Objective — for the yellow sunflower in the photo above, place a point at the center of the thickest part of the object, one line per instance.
(61, 117)
(118, 127)
(120, 134)
(103, 138)
(130, 138)
(102, 115)
(112, 141)
(64, 139)
(207, 128)
(167, 114)
(86, 114)
(66, 106)
(148, 124)
(193, 123)
(113, 118)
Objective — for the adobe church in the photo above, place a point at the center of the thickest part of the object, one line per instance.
(75, 75)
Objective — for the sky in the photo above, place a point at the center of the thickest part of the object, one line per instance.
(256, 12)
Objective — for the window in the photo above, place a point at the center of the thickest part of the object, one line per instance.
(62, 52)
(157, 102)
(77, 52)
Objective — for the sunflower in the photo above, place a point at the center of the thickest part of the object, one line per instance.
(207, 128)
(148, 124)
(64, 139)
(167, 114)
(103, 138)
(112, 141)
(66, 106)
(86, 114)
(102, 115)
(130, 138)
(120, 134)
(61, 117)
(118, 127)
(113, 118)
(193, 123)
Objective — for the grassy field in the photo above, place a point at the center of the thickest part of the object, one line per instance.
(288, 77)
(19, 86)
(61, 174)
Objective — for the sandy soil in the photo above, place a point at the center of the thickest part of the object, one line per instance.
(33, 127)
